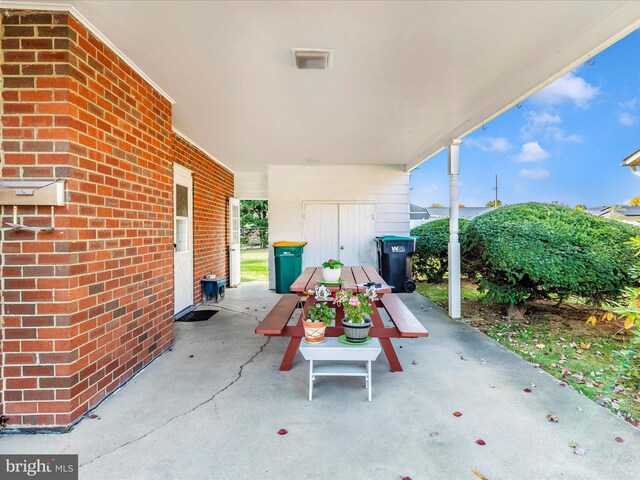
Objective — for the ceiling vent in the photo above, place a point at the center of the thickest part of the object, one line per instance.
(311, 58)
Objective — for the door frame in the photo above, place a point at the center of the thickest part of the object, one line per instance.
(186, 175)
(235, 277)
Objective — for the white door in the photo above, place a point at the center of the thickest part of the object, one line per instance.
(234, 242)
(357, 234)
(320, 233)
(344, 231)
(183, 238)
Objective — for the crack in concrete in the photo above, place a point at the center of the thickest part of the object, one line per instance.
(196, 407)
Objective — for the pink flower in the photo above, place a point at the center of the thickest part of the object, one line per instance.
(354, 302)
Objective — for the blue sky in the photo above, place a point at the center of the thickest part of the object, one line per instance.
(565, 143)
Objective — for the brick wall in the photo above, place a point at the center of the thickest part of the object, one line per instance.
(88, 305)
(212, 187)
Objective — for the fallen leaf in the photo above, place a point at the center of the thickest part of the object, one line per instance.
(483, 361)
(414, 363)
(619, 439)
(579, 408)
(533, 385)
(592, 320)
(527, 390)
(478, 474)
(540, 345)
(457, 414)
(93, 416)
(573, 444)
(580, 450)
(585, 345)
(433, 434)
(463, 358)
(492, 386)
(481, 442)
(282, 431)
(406, 478)
(552, 417)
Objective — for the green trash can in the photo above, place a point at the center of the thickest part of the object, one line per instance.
(288, 257)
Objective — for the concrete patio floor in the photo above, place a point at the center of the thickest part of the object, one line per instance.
(212, 407)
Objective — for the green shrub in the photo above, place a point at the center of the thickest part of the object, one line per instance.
(534, 250)
(430, 260)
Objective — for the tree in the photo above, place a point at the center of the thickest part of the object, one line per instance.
(635, 201)
(494, 203)
(580, 207)
(436, 205)
(253, 218)
(535, 251)
(461, 205)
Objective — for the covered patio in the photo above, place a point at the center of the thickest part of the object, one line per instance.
(212, 407)
(158, 117)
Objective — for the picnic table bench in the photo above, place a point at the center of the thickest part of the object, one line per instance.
(404, 323)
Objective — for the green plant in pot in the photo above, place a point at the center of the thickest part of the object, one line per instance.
(315, 321)
(331, 270)
(356, 307)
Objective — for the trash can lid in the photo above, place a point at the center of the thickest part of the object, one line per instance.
(289, 244)
(389, 238)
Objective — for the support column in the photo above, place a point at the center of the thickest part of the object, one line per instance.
(454, 243)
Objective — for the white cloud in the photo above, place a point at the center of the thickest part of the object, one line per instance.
(558, 134)
(531, 152)
(544, 124)
(567, 88)
(490, 144)
(534, 173)
(627, 119)
(544, 117)
(430, 189)
(629, 104)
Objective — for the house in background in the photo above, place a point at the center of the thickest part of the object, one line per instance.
(421, 215)
(159, 116)
(633, 161)
(622, 213)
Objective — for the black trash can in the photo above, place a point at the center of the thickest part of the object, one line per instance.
(395, 261)
(288, 261)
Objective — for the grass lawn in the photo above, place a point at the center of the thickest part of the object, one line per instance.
(253, 265)
(556, 338)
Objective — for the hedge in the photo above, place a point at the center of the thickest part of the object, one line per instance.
(431, 260)
(535, 250)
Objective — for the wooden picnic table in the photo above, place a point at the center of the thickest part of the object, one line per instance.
(405, 324)
(353, 277)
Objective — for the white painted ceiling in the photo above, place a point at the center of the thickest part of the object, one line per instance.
(406, 76)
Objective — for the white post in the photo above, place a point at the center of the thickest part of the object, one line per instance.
(454, 243)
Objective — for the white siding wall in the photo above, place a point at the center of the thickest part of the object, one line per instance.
(289, 186)
(250, 186)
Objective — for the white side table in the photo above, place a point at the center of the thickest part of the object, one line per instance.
(332, 350)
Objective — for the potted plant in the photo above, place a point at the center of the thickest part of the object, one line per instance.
(331, 270)
(356, 307)
(315, 321)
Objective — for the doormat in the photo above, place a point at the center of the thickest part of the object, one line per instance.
(198, 316)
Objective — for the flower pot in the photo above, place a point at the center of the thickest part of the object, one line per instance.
(314, 331)
(356, 332)
(331, 274)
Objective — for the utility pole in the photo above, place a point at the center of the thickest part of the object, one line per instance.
(496, 189)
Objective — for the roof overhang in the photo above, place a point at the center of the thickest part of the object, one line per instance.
(632, 160)
(405, 77)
